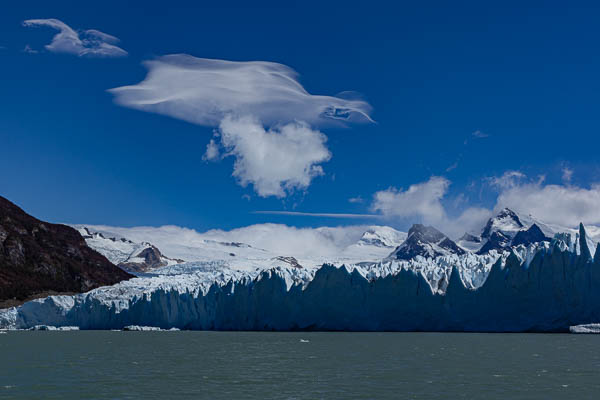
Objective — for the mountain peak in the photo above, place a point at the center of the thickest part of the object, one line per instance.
(506, 221)
(425, 241)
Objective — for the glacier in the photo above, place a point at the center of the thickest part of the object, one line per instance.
(545, 287)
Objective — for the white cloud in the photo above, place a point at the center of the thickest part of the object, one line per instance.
(188, 244)
(203, 91)
(275, 161)
(567, 174)
(262, 112)
(564, 205)
(88, 43)
(298, 242)
(479, 134)
(356, 200)
(28, 49)
(452, 167)
(419, 200)
(507, 180)
(212, 152)
(316, 214)
(424, 202)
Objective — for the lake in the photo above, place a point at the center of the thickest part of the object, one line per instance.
(259, 365)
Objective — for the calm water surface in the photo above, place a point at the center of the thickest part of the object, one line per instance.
(249, 365)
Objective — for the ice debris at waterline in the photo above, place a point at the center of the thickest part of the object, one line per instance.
(551, 289)
(587, 328)
(53, 328)
(137, 328)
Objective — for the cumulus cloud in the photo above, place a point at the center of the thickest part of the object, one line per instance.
(425, 202)
(86, 43)
(263, 114)
(212, 152)
(275, 161)
(564, 205)
(419, 200)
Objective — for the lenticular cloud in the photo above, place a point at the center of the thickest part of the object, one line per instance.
(204, 91)
(262, 113)
(88, 43)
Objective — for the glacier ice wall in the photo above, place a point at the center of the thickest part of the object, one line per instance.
(554, 289)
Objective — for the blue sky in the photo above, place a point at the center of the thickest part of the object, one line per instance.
(473, 102)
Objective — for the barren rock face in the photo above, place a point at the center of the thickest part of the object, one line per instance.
(38, 257)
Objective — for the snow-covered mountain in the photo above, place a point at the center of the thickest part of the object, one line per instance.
(382, 236)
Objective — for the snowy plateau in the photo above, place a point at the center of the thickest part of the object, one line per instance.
(517, 274)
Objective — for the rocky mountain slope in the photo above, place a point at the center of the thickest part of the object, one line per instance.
(37, 257)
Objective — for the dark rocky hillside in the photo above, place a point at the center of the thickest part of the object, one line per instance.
(38, 258)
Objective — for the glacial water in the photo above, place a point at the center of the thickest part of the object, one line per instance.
(253, 365)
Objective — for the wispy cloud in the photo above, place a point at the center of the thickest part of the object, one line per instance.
(452, 167)
(86, 43)
(479, 134)
(567, 174)
(28, 49)
(356, 200)
(507, 180)
(324, 215)
(263, 114)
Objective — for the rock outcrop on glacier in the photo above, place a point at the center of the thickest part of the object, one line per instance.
(544, 287)
(131, 256)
